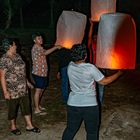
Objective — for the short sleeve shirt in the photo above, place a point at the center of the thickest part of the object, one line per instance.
(82, 79)
(15, 75)
(40, 67)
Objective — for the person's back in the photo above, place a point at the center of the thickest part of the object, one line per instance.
(82, 79)
(82, 104)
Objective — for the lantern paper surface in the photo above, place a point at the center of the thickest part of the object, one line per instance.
(99, 7)
(70, 28)
(116, 42)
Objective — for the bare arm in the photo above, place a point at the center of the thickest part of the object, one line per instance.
(3, 84)
(109, 79)
(58, 75)
(52, 49)
(29, 84)
(90, 34)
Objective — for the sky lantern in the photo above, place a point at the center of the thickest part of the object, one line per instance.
(70, 28)
(99, 7)
(116, 42)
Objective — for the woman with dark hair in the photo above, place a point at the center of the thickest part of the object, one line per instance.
(82, 102)
(14, 85)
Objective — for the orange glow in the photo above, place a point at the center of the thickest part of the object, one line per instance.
(70, 28)
(114, 62)
(67, 44)
(100, 7)
(116, 42)
(98, 15)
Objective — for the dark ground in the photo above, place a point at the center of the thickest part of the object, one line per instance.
(123, 92)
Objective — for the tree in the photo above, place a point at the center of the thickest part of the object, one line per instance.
(52, 12)
(7, 11)
(10, 7)
(54, 6)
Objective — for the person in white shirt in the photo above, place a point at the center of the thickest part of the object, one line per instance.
(82, 101)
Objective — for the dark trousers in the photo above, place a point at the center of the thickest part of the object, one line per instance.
(75, 116)
(64, 84)
(14, 104)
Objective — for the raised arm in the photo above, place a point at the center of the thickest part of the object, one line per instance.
(52, 49)
(109, 79)
(90, 33)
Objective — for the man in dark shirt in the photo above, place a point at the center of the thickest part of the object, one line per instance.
(64, 59)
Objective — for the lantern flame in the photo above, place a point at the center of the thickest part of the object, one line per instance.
(116, 42)
(114, 61)
(67, 44)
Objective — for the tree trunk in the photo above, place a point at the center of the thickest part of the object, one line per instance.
(21, 18)
(52, 16)
(9, 17)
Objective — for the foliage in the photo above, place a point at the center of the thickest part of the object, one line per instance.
(8, 8)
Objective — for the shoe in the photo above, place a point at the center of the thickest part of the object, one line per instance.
(40, 113)
(16, 132)
(35, 130)
(42, 108)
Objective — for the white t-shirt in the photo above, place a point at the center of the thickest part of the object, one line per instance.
(82, 79)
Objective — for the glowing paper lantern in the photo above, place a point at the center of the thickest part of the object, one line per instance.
(99, 7)
(116, 42)
(70, 28)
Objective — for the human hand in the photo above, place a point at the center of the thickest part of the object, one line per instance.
(91, 22)
(7, 95)
(58, 75)
(120, 72)
(30, 85)
(59, 47)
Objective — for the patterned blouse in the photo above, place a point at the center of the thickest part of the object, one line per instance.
(40, 66)
(15, 75)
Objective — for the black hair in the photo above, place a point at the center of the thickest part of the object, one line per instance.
(6, 43)
(34, 35)
(78, 52)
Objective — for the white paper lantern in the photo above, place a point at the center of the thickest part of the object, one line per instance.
(116, 42)
(99, 7)
(70, 28)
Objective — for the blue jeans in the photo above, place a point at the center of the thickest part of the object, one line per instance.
(100, 92)
(75, 116)
(100, 89)
(65, 89)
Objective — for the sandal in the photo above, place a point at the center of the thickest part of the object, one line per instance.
(16, 132)
(42, 108)
(40, 113)
(35, 130)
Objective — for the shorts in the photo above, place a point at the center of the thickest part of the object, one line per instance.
(40, 82)
(14, 104)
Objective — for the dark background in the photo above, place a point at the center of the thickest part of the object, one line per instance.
(37, 14)
(38, 11)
